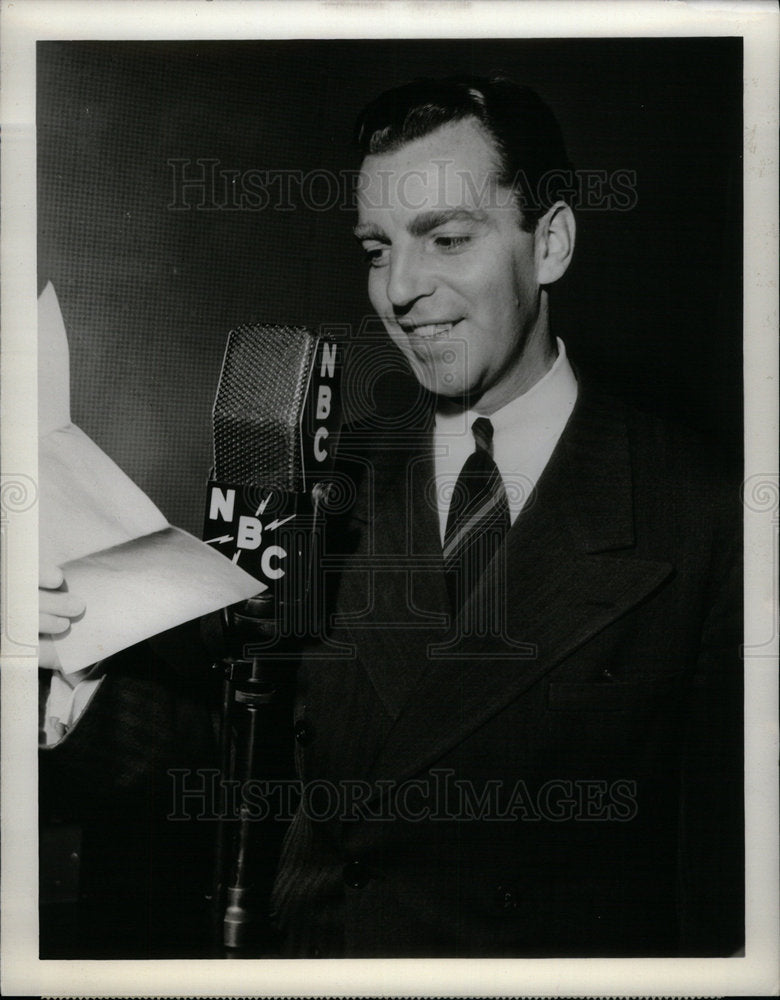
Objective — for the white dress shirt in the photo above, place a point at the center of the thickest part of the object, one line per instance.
(525, 433)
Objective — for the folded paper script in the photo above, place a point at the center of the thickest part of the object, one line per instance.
(137, 574)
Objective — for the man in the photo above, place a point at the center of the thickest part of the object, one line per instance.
(537, 753)
(524, 727)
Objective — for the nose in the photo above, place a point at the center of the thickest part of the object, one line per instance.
(407, 279)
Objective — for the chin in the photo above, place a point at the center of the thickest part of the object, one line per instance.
(446, 383)
(438, 384)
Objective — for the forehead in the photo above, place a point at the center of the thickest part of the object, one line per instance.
(455, 167)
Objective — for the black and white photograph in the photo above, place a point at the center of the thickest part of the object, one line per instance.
(395, 476)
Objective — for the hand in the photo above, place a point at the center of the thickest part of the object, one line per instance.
(57, 609)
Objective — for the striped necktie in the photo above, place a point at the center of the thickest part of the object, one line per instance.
(478, 519)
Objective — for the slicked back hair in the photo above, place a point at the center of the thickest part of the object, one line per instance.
(531, 153)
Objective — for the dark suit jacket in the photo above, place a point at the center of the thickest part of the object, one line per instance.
(565, 779)
(589, 735)
(143, 878)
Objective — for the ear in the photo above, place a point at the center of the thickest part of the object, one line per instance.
(555, 234)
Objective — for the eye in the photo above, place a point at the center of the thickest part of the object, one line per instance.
(375, 255)
(450, 243)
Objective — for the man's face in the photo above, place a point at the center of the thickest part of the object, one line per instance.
(451, 273)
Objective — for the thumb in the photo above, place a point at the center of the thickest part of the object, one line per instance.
(50, 576)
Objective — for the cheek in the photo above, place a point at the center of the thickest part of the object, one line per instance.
(493, 288)
(506, 305)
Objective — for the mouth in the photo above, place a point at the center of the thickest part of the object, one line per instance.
(428, 331)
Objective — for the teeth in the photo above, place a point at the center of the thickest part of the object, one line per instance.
(433, 329)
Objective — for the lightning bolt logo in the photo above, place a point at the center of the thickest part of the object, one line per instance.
(276, 524)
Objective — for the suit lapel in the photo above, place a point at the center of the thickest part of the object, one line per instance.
(393, 597)
(565, 573)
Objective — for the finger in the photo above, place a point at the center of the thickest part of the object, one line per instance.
(61, 604)
(52, 625)
(47, 653)
(50, 577)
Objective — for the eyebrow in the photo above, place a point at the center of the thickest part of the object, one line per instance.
(368, 231)
(421, 224)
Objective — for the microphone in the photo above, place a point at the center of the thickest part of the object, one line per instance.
(276, 422)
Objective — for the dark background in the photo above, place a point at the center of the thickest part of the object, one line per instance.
(652, 305)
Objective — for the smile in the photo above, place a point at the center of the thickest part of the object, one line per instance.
(428, 330)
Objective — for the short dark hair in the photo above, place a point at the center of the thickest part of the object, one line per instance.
(528, 139)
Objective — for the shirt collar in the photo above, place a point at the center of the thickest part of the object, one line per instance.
(539, 408)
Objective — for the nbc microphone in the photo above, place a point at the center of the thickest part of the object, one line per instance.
(276, 424)
(276, 421)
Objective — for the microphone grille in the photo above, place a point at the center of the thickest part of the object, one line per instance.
(259, 402)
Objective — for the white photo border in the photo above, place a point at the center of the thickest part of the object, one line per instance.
(23, 24)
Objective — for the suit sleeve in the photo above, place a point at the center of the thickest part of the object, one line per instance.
(144, 874)
(154, 710)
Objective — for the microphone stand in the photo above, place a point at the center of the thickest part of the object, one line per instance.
(255, 691)
(256, 723)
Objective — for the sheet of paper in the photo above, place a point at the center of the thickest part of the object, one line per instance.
(143, 587)
(86, 502)
(137, 575)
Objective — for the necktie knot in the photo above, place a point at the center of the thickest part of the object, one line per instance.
(482, 429)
